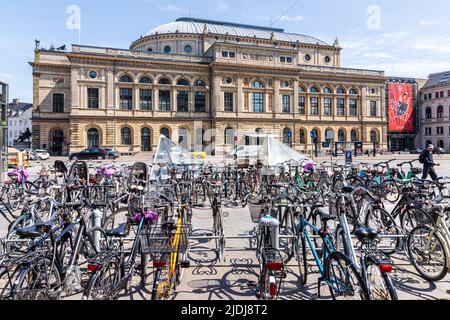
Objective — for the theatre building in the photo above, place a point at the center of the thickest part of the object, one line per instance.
(205, 83)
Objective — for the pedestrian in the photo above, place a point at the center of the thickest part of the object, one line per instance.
(426, 157)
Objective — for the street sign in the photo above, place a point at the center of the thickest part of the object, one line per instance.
(348, 156)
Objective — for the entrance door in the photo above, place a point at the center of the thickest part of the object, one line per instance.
(57, 142)
(146, 140)
(93, 138)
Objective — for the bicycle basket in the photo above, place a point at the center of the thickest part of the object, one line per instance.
(160, 239)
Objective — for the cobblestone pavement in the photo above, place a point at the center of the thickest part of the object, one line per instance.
(233, 279)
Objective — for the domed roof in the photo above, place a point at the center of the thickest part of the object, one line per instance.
(197, 26)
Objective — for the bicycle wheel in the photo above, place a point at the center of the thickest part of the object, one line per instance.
(300, 252)
(218, 233)
(344, 281)
(390, 191)
(40, 280)
(102, 284)
(379, 284)
(414, 217)
(340, 243)
(381, 220)
(427, 253)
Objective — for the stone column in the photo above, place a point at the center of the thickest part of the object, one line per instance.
(216, 91)
(277, 97)
(75, 91)
(240, 95)
(295, 99)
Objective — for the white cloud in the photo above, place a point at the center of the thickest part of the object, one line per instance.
(424, 23)
(169, 7)
(379, 55)
(294, 18)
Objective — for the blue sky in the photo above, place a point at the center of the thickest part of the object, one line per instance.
(401, 37)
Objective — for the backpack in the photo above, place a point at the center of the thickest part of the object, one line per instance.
(421, 158)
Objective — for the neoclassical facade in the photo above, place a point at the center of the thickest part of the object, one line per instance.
(435, 111)
(203, 83)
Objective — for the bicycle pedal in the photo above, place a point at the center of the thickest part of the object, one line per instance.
(185, 264)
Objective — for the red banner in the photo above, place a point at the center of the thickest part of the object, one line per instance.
(401, 107)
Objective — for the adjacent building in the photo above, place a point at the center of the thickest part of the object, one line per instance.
(3, 129)
(19, 119)
(404, 139)
(435, 111)
(204, 82)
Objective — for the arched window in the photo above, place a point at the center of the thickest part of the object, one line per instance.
(57, 141)
(302, 136)
(340, 90)
(200, 83)
(93, 138)
(188, 49)
(429, 113)
(167, 49)
(126, 136)
(301, 89)
(353, 91)
(183, 137)
(354, 136)
(315, 135)
(327, 90)
(259, 130)
(164, 81)
(341, 135)
(314, 90)
(165, 132)
(126, 79)
(287, 136)
(257, 84)
(229, 136)
(183, 82)
(440, 112)
(146, 139)
(373, 136)
(199, 137)
(329, 135)
(145, 80)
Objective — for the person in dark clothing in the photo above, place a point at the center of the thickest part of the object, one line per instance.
(429, 164)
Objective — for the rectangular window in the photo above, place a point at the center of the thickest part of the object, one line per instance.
(126, 99)
(353, 107)
(436, 95)
(314, 106)
(228, 102)
(282, 59)
(58, 102)
(340, 107)
(93, 102)
(224, 54)
(289, 60)
(373, 108)
(327, 106)
(183, 101)
(448, 93)
(301, 105)
(441, 94)
(164, 100)
(425, 97)
(258, 102)
(232, 55)
(145, 99)
(286, 102)
(200, 102)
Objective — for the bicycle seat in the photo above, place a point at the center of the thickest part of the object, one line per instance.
(348, 189)
(363, 233)
(119, 232)
(325, 216)
(29, 233)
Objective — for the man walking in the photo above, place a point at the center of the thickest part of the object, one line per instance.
(428, 163)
